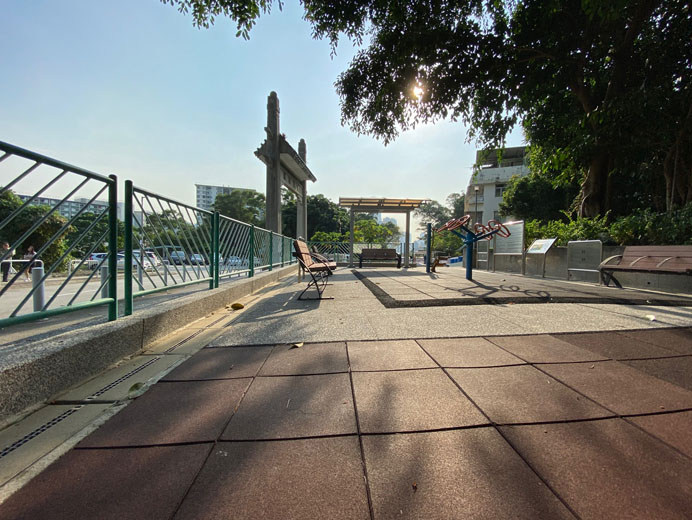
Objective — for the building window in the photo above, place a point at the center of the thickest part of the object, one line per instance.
(499, 190)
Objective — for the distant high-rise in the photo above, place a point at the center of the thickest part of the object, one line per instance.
(206, 194)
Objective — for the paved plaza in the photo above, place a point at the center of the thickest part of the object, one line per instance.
(408, 395)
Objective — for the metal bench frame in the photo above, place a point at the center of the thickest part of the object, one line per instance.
(656, 260)
(319, 271)
(372, 254)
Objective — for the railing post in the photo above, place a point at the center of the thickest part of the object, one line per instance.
(129, 299)
(251, 252)
(113, 248)
(428, 248)
(283, 250)
(38, 287)
(216, 245)
(271, 250)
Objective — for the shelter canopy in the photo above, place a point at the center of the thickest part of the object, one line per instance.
(372, 205)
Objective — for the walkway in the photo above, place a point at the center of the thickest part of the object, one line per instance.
(348, 409)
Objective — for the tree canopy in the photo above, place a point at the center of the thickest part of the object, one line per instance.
(243, 205)
(603, 88)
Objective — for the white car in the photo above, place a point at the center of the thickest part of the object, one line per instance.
(135, 262)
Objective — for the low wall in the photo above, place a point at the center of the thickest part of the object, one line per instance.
(556, 267)
(32, 373)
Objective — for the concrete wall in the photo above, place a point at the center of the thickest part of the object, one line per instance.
(33, 373)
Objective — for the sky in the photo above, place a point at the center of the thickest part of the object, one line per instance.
(132, 88)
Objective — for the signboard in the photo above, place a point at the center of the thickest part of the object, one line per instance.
(513, 244)
(482, 248)
(540, 247)
(583, 259)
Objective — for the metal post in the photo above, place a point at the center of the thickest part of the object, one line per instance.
(129, 299)
(113, 248)
(350, 248)
(428, 248)
(216, 242)
(283, 250)
(251, 252)
(469, 255)
(271, 250)
(38, 287)
(406, 241)
(104, 276)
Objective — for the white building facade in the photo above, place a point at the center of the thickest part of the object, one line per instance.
(206, 194)
(484, 193)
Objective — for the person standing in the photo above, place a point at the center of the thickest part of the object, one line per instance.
(29, 255)
(7, 262)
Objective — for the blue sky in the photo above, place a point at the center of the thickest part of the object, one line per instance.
(132, 88)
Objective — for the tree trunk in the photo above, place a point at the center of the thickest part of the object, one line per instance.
(594, 188)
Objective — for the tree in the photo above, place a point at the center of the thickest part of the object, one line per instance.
(433, 213)
(535, 197)
(455, 201)
(602, 86)
(243, 205)
(92, 236)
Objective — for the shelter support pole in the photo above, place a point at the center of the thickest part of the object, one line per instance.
(302, 213)
(428, 248)
(469, 256)
(407, 239)
(350, 242)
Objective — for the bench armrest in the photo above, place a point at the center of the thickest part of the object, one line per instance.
(610, 261)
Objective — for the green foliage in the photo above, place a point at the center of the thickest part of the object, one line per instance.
(93, 236)
(433, 213)
(323, 236)
(367, 230)
(536, 197)
(646, 227)
(243, 205)
(455, 201)
(580, 228)
(22, 222)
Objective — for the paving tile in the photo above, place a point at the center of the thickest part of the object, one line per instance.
(115, 384)
(311, 358)
(191, 411)
(616, 346)
(469, 473)
(221, 363)
(523, 394)
(468, 352)
(294, 406)
(676, 370)
(411, 400)
(620, 388)
(387, 355)
(309, 478)
(109, 484)
(608, 469)
(544, 348)
(26, 441)
(673, 428)
(678, 340)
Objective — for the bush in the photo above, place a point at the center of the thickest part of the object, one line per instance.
(576, 229)
(646, 227)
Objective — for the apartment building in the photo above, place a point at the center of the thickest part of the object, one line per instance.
(484, 193)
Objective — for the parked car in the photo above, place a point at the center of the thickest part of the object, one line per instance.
(95, 259)
(196, 259)
(232, 262)
(151, 255)
(121, 262)
(177, 257)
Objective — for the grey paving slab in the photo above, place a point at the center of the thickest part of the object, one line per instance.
(523, 394)
(608, 469)
(411, 400)
(109, 484)
(677, 370)
(26, 441)
(294, 406)
(678, 340)
(672, 428)
(315, 478)
(469, 473)
(620, 388)
(387, 355)
(221, 363)
(311, 358)
(115, 384)
(544, 348)
(648, 316)
(468, 352)
(616, 346)
(191, 411)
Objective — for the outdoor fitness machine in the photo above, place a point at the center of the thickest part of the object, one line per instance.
(480, 232)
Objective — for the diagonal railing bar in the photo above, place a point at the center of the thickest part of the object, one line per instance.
(7, 187)
(200, 247)
(189, 248)
(148, 239)
(31, 199)
(57, 263)
(91, 274)
(163, 217)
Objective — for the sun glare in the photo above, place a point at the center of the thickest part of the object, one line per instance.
(418, 92)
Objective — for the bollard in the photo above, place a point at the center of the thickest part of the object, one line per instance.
(39, 288)
(104, 276)
(165, 275)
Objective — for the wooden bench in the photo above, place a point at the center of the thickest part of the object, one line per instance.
(318, 271)
(380, 255)
(647, 259)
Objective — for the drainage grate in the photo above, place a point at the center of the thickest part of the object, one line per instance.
(121, 379)
(183, 341)
(38, 431)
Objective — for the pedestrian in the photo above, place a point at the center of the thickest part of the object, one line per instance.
(29, 255)
(7, 262)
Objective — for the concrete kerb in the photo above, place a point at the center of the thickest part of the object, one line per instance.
(33, 373)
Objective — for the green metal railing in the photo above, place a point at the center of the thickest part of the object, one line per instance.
(340, 251)
(83, 253)
(49, 220)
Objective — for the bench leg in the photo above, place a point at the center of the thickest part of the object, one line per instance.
(318, 282)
